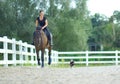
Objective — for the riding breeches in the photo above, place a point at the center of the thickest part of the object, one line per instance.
(47, 32)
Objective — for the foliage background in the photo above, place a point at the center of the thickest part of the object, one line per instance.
(73, 29)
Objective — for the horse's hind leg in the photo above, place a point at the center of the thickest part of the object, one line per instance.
(49, 58)
(38, 59)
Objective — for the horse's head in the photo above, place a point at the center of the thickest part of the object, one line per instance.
(39, 28)
(39, 37)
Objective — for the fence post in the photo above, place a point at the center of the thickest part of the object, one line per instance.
(116, 57)
(53, 56)
(87, 58)
(14, 51)
(26, 51)
(5, 51)
(56, 56)
(32, 57)
(20, 50)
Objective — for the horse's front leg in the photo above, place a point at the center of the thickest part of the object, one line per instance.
(49, 58)
(42, 57)
(38, 59)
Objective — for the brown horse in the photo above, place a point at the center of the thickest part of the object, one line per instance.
(41, 42)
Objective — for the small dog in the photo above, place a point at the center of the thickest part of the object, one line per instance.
(71, 63)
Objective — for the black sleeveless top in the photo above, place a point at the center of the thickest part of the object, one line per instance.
(41, 22)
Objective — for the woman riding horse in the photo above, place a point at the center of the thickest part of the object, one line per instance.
(42, 38)
(42, 22)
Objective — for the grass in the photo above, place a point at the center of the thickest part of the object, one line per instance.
(78, 65)
(63, 65)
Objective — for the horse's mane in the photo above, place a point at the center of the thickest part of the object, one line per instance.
(39, 38)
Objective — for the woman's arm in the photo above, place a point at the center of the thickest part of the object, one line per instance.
(46, 24)
(36, 23)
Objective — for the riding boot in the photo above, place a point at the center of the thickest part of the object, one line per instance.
(51, 40)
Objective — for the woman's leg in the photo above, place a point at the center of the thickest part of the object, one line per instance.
(48, 34)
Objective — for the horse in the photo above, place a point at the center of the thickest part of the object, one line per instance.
(41, 43)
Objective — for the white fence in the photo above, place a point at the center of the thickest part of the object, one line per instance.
(90, 57)
(16, 52)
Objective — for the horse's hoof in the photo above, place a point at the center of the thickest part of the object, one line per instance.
(39, 63)
(42, 65)
(49, 63)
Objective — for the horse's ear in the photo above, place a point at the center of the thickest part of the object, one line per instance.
(39, 28)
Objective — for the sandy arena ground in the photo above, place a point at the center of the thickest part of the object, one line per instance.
(50, 75)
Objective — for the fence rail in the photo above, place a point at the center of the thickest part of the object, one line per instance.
(90, 57)
(18, 52)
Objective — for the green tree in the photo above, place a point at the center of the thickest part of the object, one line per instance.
(106, 31)
(17, 19)
(99, 31)
(116, 19)
(72, 27)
